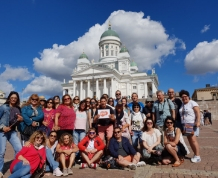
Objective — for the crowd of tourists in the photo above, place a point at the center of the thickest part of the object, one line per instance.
(55, 134)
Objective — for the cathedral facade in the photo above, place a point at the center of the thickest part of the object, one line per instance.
(115, 70)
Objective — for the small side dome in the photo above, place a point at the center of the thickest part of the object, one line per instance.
(109, 32)
(132, 64)
(83, 55)
(123, 49)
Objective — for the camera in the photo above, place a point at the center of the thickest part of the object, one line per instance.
(160, 112)
(37, 123)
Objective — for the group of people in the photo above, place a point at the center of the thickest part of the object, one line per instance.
(55, 133)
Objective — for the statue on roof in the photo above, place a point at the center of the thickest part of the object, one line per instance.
(153, 71)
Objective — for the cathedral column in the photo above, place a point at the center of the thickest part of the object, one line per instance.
(127, 89)
(153, 88)
(145, 90)
(97, 92)
(81, 90)
(112, 87)
(74, 88)
(104, 89)
(88, 89)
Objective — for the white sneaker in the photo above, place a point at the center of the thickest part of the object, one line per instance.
(140, 164)
(132, 166)
(196, 159)
(57, 172)
(1, 175)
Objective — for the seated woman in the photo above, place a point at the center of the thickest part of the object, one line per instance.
(51, 164)
(91, 149)
(175, 147)
(124, 153)
(151, 138)
(66, 150)
(29, 158)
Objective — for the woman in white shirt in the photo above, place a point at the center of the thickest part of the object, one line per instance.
(151, 138)
(190, 114)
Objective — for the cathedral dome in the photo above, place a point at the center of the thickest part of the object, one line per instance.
(133, 64)
(83, 55)
(123, 49)
(109, 32)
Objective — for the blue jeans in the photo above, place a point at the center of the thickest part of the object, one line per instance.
(20, 171)
(13, 140)
(136, 136)
(51, 164)
(78, 135)
(147, 155)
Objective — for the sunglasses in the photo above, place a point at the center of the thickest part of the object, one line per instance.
(118, 94)
(65, 99)
(149, 123)
(169, 122)
(50, 103)
(76, 99)
(117, 132)
(87, 101)
(33, 99)
(136, 106)
(38, 137)
(53, 136)
(92, 103)
(149, 101)
(91, 133)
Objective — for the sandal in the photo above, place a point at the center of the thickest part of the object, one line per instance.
(176, 164)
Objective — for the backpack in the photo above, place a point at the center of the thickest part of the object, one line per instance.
(109, 162)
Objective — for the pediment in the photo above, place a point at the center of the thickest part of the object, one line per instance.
(96, 69)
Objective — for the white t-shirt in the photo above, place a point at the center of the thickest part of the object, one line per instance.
(91, 144)
(137, 121)
(151, 139)
(187, 112)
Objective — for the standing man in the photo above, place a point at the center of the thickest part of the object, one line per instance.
(147, 110)
(135, 100)
(105, 125)
(177, 104)
(118, 97)
(161, 109)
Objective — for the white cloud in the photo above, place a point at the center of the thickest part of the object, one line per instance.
(203, 58)
(45, 86)
(146, 40)
(15, 73)
(196, 79)
(206, 28)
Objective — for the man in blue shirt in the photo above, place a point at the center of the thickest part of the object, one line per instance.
(118, 97)
(135, 100)
(161, 109)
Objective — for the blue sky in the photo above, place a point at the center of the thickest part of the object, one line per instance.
(30, 28)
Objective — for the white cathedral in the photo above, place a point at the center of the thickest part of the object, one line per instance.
(114, 71)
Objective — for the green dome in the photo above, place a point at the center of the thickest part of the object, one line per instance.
(133, 64)
(109, 32)
(83, 55)
(123, 49)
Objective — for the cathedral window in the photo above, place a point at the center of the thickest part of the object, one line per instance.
(107, 53)
(116, 53)
(112, 52)
(134, 87)
(102, 53)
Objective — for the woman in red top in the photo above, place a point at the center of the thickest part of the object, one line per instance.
(66, 149)
(29, 158)
(49, 114)
(65, 116)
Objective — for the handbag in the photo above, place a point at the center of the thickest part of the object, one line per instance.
(188, 129)
(29, 129)
(39, 172)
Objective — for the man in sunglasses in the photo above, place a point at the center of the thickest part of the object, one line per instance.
(147, 110)
(135, 100)
(177, 103)
(105, 123)
(91, 148)
(124, 153)
(118, 97)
